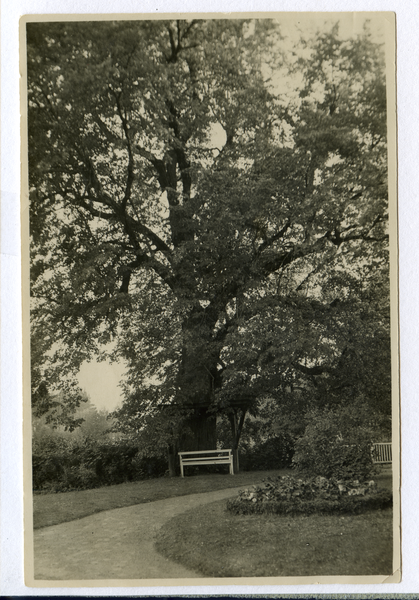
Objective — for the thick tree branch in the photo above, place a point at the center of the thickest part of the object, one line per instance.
(337, 239)
(269, 264)
(143, 259)
(128, 270)
(130, 169)
(148, 233)
(95, 212)
(176, 46)
(312, 371)
(118, 211)
(268, 242)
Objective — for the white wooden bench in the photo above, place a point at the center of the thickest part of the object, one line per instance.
(206, 457)
(381, 453)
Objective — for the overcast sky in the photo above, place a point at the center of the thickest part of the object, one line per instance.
(100, 381)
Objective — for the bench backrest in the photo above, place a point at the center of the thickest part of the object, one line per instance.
(381, 452)
(208, 452)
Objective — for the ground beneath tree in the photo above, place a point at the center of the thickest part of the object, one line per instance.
(115, 544)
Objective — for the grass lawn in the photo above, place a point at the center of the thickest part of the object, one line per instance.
(51, 509)
(218, 544)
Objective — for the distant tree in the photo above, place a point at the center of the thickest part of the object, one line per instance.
(220, 269)
(57, 407)
(85, 421)
(96, 423)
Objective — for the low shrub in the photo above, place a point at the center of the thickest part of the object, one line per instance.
(61, 465)
(336, 443)
(292, 495)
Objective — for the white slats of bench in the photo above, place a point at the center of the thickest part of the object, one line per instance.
(381, 453)
(206, 457)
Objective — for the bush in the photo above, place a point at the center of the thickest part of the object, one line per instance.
(65, 464)
(48, 462)
(335, 443)
(291, 495)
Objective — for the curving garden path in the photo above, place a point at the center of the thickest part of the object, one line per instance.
(115, 544)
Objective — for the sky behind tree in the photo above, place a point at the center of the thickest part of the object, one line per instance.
(100, 380)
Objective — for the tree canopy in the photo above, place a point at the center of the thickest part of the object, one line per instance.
(211, 206)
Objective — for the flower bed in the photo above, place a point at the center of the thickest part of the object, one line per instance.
(292, 495)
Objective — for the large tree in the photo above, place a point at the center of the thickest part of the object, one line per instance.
(183, 201)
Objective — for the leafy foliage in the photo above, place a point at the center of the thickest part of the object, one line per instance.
(66, 464)
(337, 443)
(310, 495)
(89, 456)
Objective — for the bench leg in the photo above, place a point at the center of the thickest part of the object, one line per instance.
(181, 468)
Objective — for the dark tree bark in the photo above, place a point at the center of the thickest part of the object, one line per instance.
(202, 433)
(172, 456)
(236, 430)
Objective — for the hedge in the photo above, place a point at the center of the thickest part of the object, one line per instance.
(62, 465)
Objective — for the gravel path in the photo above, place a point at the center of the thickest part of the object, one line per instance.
(115, 544)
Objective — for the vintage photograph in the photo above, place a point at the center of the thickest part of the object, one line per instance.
(212, 389)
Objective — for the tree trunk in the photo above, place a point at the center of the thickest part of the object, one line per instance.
(236, 465)
(201, 434)
(236, 430)
(196, 381)
(172, 463)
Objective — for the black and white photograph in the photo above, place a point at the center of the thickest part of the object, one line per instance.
(211, 378)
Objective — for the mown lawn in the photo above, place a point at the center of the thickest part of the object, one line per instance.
(51, 509)
(216, 543)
